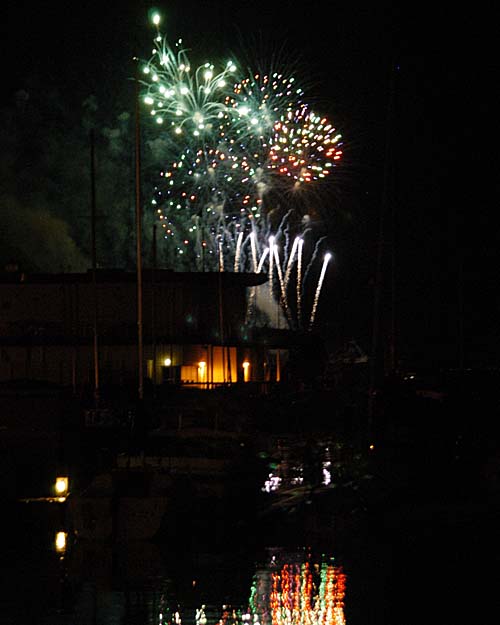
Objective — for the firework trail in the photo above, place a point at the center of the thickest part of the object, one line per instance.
(318, 289)
(314, 255)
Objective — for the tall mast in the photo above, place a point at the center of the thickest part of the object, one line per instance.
(94, 264)
(383, 238)
(138, 223)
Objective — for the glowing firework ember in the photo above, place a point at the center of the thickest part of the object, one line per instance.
(234, 150)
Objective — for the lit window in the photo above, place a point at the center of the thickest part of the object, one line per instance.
(202, 368)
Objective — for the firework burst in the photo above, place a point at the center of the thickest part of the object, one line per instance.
(190, 101)
(235, 149)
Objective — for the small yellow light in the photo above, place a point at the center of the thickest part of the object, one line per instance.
(202, 365)
(246, 370)
(167, 362)
(61, 486)
(60, 541)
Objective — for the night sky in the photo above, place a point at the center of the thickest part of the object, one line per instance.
(408, 88)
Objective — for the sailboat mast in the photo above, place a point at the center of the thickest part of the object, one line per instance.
(138, 223)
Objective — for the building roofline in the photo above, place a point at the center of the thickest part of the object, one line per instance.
(149, 275)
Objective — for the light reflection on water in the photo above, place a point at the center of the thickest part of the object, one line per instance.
(142, 583)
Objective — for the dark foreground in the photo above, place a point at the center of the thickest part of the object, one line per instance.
(412, 522)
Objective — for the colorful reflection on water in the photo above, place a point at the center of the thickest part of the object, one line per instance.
(85, 583)
(293, 590)
(290, 589)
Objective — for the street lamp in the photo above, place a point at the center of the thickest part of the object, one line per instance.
(61, 487)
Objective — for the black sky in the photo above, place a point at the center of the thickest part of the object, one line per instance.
(410, 90)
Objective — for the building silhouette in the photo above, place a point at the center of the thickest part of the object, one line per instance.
(58, 328)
